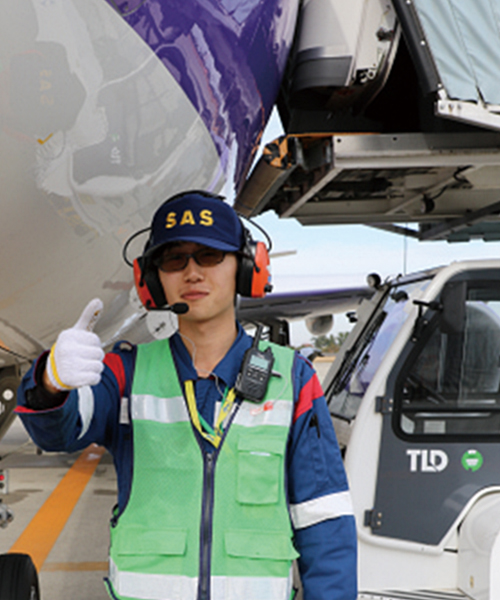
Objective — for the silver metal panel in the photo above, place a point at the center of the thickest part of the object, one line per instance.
(414, 166)
(448, 183)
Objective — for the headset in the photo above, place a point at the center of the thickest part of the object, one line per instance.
(252, 277)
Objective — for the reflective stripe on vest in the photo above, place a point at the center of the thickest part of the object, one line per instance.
(152, 587)
(174, 410)
(174, 587)
(190, 521)
(150, 408)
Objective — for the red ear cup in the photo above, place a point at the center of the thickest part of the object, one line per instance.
(148, 286)
(254, 279)
(261, 280)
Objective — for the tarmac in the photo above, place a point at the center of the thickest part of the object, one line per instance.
(66, 534)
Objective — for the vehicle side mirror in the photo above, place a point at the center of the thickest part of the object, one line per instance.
(453, 298)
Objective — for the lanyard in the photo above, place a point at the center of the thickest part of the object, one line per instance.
(212, 434)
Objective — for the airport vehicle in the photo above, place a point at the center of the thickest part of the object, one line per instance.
(414, 394)
(418, 381)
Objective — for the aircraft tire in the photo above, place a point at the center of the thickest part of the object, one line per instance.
(18, 578)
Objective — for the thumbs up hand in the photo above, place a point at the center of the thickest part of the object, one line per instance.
(76, 358)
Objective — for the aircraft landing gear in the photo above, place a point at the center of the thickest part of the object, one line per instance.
(18, 578)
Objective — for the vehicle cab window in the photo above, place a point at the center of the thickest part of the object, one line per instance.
(449, 386)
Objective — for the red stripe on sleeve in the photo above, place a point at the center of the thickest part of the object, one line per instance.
(114, 362)
(311, 390)
(25, 410)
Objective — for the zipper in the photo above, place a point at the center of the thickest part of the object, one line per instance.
(206, 526)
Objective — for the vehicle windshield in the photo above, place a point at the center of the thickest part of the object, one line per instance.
(345, 393)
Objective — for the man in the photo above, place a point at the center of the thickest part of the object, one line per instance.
(216, 494)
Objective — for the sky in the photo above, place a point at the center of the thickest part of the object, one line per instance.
(340, 256)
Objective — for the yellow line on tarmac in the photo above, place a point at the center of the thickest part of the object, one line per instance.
(42, 532)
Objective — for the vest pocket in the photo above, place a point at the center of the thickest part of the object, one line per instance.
(137, 541)
(249, 544)
(260, 466)
(146, 563)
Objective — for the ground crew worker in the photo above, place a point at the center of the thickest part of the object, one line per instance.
(217, 494)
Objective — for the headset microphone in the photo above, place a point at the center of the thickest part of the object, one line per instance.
(178, 308)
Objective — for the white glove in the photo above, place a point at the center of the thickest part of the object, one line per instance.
(76, 358)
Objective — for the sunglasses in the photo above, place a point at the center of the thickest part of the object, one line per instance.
(205, 257)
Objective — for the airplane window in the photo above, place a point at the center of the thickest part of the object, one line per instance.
(451, 384)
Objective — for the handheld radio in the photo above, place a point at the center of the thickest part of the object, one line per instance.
(256, 370)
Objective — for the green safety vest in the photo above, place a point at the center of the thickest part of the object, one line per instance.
(204, 525)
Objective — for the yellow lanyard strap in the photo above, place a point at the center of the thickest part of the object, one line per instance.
(214, 436)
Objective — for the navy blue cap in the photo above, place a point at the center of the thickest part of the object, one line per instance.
(196, 217)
